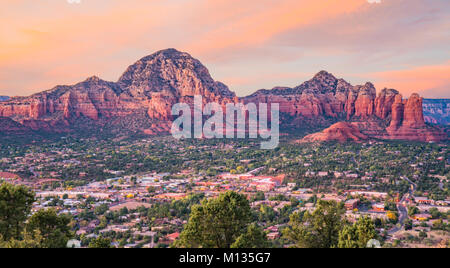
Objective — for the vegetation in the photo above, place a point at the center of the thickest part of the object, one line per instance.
(222, 222)
(44, 229)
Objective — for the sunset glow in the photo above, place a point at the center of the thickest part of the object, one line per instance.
(248, 45)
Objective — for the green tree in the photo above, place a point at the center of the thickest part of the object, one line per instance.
(53, 228)
(254, 238)
(413, 211)
(217, 223)
(29, 240)
(408, 225)
(319, 229)
(100, 242)
(15, 206)
(358, 234)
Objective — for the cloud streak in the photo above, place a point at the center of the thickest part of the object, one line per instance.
(243, 43)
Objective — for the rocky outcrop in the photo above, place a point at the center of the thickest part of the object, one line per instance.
(341, 132)
(152, 85)
(325, 96)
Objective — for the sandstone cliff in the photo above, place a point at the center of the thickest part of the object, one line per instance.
(152, 84)
(326, 96)
(143, 96)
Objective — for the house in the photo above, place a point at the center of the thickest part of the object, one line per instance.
(172, 237)
(423, 200)
(369, 194)
(9, 176)
(351, 204)
(422, 217)
(378, 207)
(273, 236)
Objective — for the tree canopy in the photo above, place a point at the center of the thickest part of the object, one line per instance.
(220, 223)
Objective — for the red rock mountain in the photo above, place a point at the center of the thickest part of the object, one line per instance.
(341, 132)
(148, 89)
(151, 85)
(386, 116)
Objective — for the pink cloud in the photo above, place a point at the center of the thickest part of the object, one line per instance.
(431, 81)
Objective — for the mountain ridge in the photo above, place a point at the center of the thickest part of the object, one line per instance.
(153, 84)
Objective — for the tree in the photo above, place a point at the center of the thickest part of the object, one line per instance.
(100, 242)
(319, 229)
(408, 225)
(15, 206)
(29, 240)
(434, 212)
(254, 238)
(413, 211)
(422, 235)
(217, 223)
(53, 228)
(358, 234)
(101, 210)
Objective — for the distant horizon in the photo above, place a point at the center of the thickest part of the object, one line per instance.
(400, 44)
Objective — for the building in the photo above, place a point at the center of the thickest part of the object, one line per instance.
(273, 236)
(422, 217)
(351, 204)
(423, 200)
(378, 207)
(6, 176)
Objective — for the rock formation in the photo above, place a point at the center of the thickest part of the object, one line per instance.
(326, 96)
(341, 132)
(155, 83)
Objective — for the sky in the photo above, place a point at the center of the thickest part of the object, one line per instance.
(248, 45)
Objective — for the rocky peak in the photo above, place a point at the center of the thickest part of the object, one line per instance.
(322, 83)
(413, 116)
(93, 79)
(367, 89)
(172, 73)
(387, 92)
(324, 76)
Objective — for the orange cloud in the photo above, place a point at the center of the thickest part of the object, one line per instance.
(277, 17)
(430, 81)
(244, 43)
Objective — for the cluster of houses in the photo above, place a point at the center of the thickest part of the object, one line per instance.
(133, 192)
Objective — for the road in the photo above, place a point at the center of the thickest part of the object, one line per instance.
(402, 209)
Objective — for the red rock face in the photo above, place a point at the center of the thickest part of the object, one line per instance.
(326, 96)
(413, 116)
(385, 101)
(341, 132)
(155, 83)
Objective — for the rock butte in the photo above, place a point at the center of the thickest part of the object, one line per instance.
(341, 132)
(153, 84)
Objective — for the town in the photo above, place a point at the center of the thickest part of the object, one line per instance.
(138, 192)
